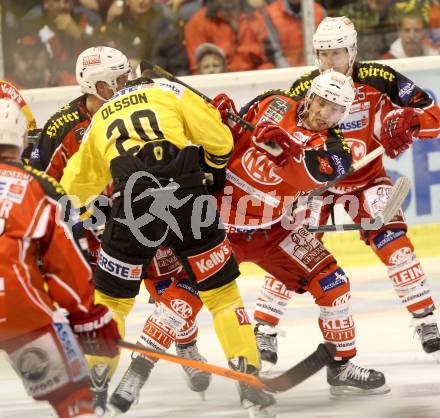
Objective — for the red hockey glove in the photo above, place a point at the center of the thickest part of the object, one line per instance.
(276, 143)
(398, 129)
(97, 331)
(224, 104)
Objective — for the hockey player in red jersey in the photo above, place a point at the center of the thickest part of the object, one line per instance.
(38, 338)
(389, 109)
(261, 185)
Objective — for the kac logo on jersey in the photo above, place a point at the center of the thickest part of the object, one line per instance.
(259, 167)
(118, 268)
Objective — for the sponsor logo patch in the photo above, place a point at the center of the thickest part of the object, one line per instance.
(33, 364)
(174, 88)
(339, 163)
(208, 263)
(77, 365)
(92, 60)
(386, 237)
(165, 262)
(406, 89)
(276, 110)
(400, 256)
(242, 316)
(303, 248)
(118, 268)
(13, 189)
(182, 308)
(355, 121)
(408, 276)
(333, 280)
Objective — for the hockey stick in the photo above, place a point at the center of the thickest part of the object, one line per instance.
(145, 65)
(398, 194)
(322, 356)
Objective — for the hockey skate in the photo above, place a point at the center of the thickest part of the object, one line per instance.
(427, 330)
(267, 344)
(347, 379)
(130, 385)
(99, 379)
(198, 380)
(256, 401)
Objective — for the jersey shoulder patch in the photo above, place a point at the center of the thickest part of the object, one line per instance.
(301, 86)
(64, 119)
(377, 75)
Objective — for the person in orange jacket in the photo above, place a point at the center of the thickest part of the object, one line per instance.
(241, 35)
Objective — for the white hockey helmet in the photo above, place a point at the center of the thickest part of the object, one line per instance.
(334, 33)
(335, 87)
(13, 125)
(100, 63)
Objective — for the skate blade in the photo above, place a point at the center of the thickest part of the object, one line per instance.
(436, 356)
(112, 411)
(256, 412)
(197, 386)
(202, 395)
(266, 367)
(338, 392)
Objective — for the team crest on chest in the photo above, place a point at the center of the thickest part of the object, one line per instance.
(259, 167)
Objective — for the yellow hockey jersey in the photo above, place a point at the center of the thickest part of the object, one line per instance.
(136, 116)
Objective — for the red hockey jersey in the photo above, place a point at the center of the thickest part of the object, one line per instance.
(31, 229)
(257, 192)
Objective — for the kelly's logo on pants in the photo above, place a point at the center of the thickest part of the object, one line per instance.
(206, 264)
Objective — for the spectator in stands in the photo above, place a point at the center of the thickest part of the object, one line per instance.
(229, 24)
(429, 9)
(144, 31)
(434, 21)
(31, 67)
(65, 32)
(376, 25)
(184, 9)
(210, 59)
(412, 40)
(285, 23)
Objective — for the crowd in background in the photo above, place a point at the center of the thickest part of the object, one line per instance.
(42, 38)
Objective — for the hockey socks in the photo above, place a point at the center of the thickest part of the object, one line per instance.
(231, 322)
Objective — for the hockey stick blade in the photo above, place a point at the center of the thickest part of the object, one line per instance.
(306, 368)
(322, 356)
(145, 65)
(398, 194)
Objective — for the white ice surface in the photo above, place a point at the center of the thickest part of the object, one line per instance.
(385, 341)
